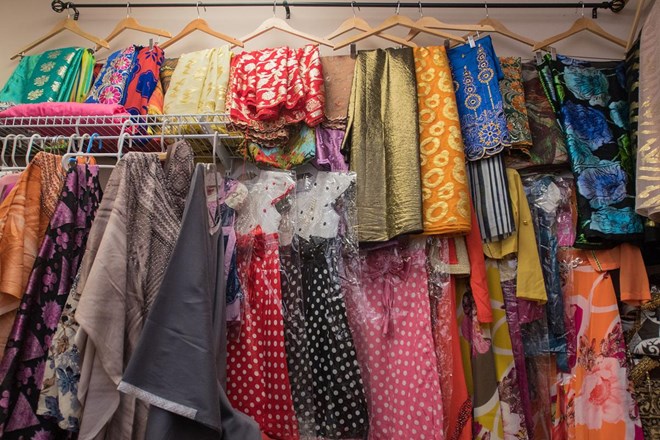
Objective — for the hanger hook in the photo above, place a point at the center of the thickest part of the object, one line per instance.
(486, 6)
(128, 9)
(274, 8)
(353, 8)
(197, 6)
(582, 3)
(421, 11)
(398, 7)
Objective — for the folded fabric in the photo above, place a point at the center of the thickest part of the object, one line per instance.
(513, 95)
(144, 79)
(328, 149)
(84, 79)
(166, 71)
(110, 86)
(300, 149)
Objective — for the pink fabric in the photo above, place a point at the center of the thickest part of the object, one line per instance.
(391, 326)
(63, 109)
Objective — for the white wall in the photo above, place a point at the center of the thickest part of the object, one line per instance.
(22, 21)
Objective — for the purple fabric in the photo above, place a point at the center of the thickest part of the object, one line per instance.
(328, 149)
(529, 311)
(54, 270)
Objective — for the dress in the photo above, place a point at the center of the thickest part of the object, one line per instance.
(394, 341)
(55, 268)
(257, 373)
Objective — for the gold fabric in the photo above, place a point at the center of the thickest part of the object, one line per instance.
(442, 155)
(648, 152)
(384, 144)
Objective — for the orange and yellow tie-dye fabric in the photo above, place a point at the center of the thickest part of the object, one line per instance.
(446, 208)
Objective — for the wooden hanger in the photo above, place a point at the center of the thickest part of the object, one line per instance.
(68, 24)
(199, 24)
(579, 25)
(130, 23)
(500, 29)
(434, 23)
(359, 24)
(275, 23)
(633, 28)
(398, 20)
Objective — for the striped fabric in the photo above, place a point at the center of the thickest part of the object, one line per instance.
(490, 196)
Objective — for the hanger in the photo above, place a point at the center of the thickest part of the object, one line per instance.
(633, 28)
(357, 23)
(201, 25)
(434, 23)
(500, 29)
(68, 24)
(130, 23)
(397, 20)
(579, 25)
(275, 23)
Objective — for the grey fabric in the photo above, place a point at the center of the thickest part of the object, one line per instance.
(179, 366)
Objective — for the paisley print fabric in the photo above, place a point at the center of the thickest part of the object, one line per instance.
(513, 94)
(476, 72)
(110, 86)
(144, 80)
(445, 198)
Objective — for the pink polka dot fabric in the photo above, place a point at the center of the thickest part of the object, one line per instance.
(391, 326)
(257, 373)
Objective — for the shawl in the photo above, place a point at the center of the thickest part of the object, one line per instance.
(128, 251)
(476, 72)
(24, 217)
(199, 82)
(548, 144)
(337, 79)
(593, 108)
(648, 151)
(382, 138)
(110, 86)
(54, 270)
(192, 345)
(272, 88)
(144, 79)
(513, 96)
(446, 206)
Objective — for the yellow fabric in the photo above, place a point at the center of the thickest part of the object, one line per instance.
(199, 82)
(446, 208)
(529, 284)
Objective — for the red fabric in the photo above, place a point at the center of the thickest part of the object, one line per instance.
(144, 79)
(257, 372)
(478, 282)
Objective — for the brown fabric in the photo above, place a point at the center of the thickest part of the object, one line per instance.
(338, 77)
(24, 218)
(166, 71)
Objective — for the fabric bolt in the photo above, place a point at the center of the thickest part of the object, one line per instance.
(299, 149)
(593, 109)
(338, 74)
(392, 329)
(647, 200)
(383, 143)
(476, 72)
(24, 217)
(456, 403)
(150, 197)
(328, 149)
(272, 88)
(143, 79)
(200, 365)
(166, 71)
(601, 355)
(113, 80)
(198, 83)
(54, 270)
(513, 99)
(491, 198)
(445, 194)
(522, 243)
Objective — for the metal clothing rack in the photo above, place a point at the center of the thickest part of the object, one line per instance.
(110, 137)
(612, 5)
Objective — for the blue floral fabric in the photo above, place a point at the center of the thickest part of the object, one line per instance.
(477, 72)
(592, 105)
(110, 86)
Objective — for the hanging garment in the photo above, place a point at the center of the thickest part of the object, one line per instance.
(548, 144)
(166, 71)
(632, 87)
(328, 149)
(24, 218)
(110, 86)
(257, 372)
(513, 99)
(272, 88)
(593, 109)
(478, 282)
(456, 403)
(383, 141)
(476, 72)
(299, 149)
(19, 81)
(115, 295)
(446, 206)
(647, 202)
(600, 403)
(198, 83)
(392, 328)
(84, 78)
(338, 74)
(490, 195)
(143, 80)
(181, 371)
(54, 270)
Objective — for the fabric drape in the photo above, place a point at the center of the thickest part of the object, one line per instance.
(112, 82)
(144, 79)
